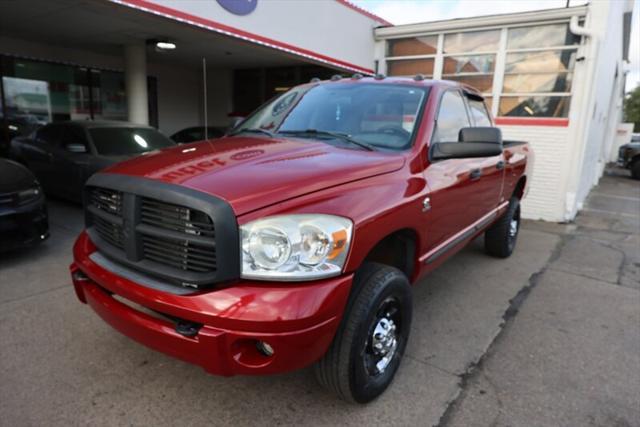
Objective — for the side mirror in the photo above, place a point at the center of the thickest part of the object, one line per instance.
(488, 135)
(235, 121)
(464, 150)
(76, 148)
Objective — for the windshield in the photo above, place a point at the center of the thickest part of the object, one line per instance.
(377, 115)
(115, 141)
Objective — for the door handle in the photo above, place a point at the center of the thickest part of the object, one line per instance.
(500, 165)
(475, 174)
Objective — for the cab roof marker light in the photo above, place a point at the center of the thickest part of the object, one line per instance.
(419, 77)
(357, 76)
(336, 77)
(379, 76)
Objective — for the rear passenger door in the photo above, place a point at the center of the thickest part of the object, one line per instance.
(491, 180)
(455, 197)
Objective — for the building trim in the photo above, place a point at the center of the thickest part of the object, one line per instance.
(532, 121)
(481, 21)
(176, 15)
(364, 12)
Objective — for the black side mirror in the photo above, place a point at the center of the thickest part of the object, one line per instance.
(464, 150)
(481, 134)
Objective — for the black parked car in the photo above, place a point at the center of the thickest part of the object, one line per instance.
(196, 133)
(23, 212)
(64, 155)
(629, 156)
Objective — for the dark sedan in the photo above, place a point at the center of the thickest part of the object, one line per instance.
(197, 133)
(64, 155)
(23, 213)
(629, 156)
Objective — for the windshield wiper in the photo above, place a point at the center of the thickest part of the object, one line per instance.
(253, 130)
(336, 135)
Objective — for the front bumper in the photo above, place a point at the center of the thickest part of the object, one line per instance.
(23, 226)
(298, 320)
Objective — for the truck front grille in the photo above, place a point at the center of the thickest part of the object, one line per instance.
(164, 236)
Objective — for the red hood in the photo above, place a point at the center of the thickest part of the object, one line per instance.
(251, 173)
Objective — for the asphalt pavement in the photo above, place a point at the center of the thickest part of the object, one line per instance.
(549, 336)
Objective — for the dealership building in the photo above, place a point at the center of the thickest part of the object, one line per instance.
(554, 78)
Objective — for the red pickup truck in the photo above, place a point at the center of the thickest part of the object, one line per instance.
(294, 240)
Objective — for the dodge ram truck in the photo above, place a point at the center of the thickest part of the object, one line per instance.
(295, 239)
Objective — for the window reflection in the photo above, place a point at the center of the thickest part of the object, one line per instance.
(427, 45)
(542, 61)
(534, 106)
(541, 36)
(410, 67)
(473, 41)
(540, 82)
(474, 70)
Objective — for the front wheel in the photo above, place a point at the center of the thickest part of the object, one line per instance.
(500, 239)
(368, 347)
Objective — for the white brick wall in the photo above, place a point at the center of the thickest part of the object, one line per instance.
(545, 199)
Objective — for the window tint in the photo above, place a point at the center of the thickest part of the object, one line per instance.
(452, 117)
(49, 134)
(114, 141)
(479, 113)
(73, 135)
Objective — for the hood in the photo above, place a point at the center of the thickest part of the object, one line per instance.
(14, 177)
(254, 172)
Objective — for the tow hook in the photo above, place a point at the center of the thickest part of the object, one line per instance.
(187, 329)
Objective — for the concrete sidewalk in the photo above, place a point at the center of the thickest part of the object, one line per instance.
(570, 355)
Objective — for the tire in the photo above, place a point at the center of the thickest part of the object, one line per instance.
(500, 239)
(353, 369)
(635, 169)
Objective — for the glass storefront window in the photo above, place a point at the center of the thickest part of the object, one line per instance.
(427, 45)
(534, 106)
(472, 41)
(410, 67)
(40, 92)
(109, 95)
(541, 36)
(44, 92)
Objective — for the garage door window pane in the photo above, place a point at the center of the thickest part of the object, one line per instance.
(410, 67)
(542, 82)
(474, 70)
(469, 64)
(541, 36)
(483, 83)
(540, 62)
(473, 41)
(534, 106)
(427, 45)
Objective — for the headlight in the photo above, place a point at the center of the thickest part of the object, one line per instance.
(295, 247)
